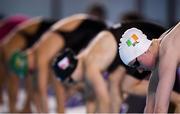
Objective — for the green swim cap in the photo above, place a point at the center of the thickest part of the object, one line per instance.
(18, 64)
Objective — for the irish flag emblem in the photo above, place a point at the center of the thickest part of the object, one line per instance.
(132, 41)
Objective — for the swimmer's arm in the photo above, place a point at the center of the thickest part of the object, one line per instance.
(175, 98)
(43, 71)
(166, 81)
(150, 100)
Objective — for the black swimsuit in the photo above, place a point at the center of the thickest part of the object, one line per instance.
(45, 24)
(82, 35)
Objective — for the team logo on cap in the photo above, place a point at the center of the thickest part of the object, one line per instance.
(19, 63)
(64, 63)
(133, 40)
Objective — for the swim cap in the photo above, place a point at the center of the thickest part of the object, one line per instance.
(18, 64)
(64, 65)
(10, 23)
(133, 44)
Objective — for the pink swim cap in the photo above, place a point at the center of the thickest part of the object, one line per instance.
(10, 23)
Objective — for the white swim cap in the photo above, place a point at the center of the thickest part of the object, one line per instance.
(133, 44)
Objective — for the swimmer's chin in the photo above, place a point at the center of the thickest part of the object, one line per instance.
(149, 68)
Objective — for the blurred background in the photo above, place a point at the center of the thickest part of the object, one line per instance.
(164, 12)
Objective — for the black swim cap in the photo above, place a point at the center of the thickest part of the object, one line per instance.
(64, 64)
